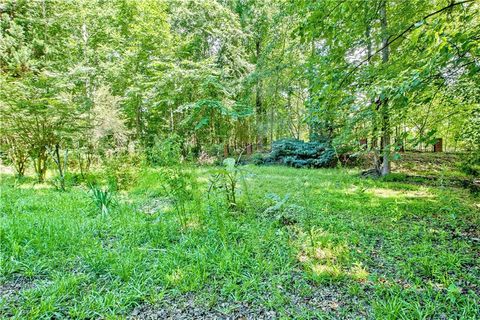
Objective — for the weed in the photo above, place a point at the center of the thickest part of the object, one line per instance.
(282, 210)
(226, 179)
(102, 198)
(122, 171)
(181, 185)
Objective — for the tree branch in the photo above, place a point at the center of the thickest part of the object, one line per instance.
(401, 34)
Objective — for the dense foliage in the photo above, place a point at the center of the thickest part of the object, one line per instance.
(298, 154)
(103, 78)
(108, 106)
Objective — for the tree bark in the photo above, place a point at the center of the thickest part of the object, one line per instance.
(260, 112)
(377, 104)
(61, 166)
(139, 119)
(40, 164)
(386, 153)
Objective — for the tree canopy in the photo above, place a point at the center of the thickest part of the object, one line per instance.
(105, 77)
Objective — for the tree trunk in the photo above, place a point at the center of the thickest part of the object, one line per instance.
(17, 155)
(386, 154)
(40, 164)
(377, 160)
(260, 112)
(139, 120)
(61, 166)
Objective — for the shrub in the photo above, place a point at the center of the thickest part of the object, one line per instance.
(282, 210)
(122, 171)
(205, 159)
(181, 185)
(257, 158)
(226, 179)
(77, 178)
(165, 151)
(102, 198)
(299, 154)
(215, 150)
(471, 164)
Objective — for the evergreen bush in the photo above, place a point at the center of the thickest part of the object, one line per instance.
(300, 154)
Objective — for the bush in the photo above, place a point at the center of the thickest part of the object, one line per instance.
(471, 164)
(165, 151)
(122, 171)
(75, 179)
(226, 180)
(257, 158)
(215, 150)
(300, 154)
(182, 186)
(282, 210)
(205, 159)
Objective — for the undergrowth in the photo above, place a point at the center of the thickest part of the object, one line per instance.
(373, 249)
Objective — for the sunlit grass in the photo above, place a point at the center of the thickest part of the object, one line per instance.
(401, 250)
(390, 193)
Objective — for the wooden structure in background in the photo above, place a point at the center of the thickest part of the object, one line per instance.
(364, 143)
(438, 146)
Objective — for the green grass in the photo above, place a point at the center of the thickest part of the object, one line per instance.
(371, 249)
(444, 167)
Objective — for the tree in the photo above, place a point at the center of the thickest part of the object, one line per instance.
(230, 73)
(40, 117)
(374, 71)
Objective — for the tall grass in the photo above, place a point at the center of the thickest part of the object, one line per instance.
(102, 198)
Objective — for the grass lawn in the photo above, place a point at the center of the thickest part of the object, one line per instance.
(302, 244)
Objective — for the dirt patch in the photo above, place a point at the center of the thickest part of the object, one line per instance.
(325, 300)
(157, 205)
(10, 290)
(189, 308)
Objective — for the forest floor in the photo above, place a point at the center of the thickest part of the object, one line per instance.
(441, 166)
(302, 244)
